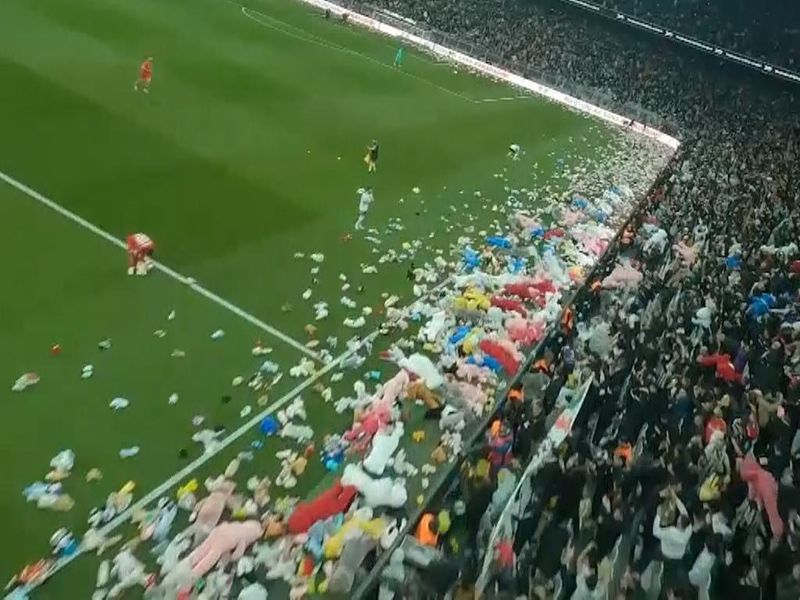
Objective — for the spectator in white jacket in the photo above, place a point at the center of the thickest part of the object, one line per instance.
(674, 541)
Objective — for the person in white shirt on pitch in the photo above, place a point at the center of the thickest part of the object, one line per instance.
(365, 201)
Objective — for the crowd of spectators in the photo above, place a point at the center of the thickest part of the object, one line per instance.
(691, 431)
(768, 31)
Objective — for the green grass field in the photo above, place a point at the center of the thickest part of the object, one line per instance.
(248, 150)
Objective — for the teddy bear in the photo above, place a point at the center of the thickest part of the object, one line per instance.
(208, 511)
(226, 538)
(128, 570)
(333, 501)
(377, 492)
(384, 444)
(419, 391)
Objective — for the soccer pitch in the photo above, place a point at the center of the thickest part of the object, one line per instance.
(247, 150)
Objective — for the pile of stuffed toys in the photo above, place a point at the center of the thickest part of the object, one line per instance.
(504, 289)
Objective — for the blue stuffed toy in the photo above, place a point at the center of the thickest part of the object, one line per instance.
(498, 241)
(471, 259)
(269, 426)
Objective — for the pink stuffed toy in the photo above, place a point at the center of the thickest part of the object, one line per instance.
(368, 424)
(595, 245)
(394, 387)
(229, 538)
(762, 488)
(208, 511)
(523, 331)
(508, 304)
(330, 502)
(472, 372)
(524, 221)
(530, 288)
(502, 354)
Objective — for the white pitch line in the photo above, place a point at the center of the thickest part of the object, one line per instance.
(206, 293)
(503, 99)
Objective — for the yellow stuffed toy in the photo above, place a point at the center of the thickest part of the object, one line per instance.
(333, 545)
(470, 343)
(472, 299)
(188, 488)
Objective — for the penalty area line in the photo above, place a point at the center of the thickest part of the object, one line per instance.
(171, 273)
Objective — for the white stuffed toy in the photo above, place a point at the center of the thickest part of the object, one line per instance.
(384, 445)
(423, 367)
(434, 328)
(172, 553)
(376, 492)
(296, 409)
(305, 368)
(254, 591)
(402, 467)
(451, 419)
(128, 570)
(299, 433)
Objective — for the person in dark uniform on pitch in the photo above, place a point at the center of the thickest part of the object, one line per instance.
(372, 157)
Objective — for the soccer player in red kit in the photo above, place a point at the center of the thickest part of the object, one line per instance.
(145, 76)
(140, 251)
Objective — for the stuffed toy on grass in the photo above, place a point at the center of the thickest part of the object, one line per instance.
(530, 288)
(471, 299)
(422, 366)
(392, 389)
(129, 572)
(384, 444)
(376, 492)
(419, 391)
(472, 372)
(368, 424)
(524, 331)
(451, 419)
(509, 305)
(468, 396)
(508, 358)
(333, 501)
(226, 538)
(208, 511)
(434, 328)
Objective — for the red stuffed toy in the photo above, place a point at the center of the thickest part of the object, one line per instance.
(330, 502)
(502, 355)
(508, 304)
